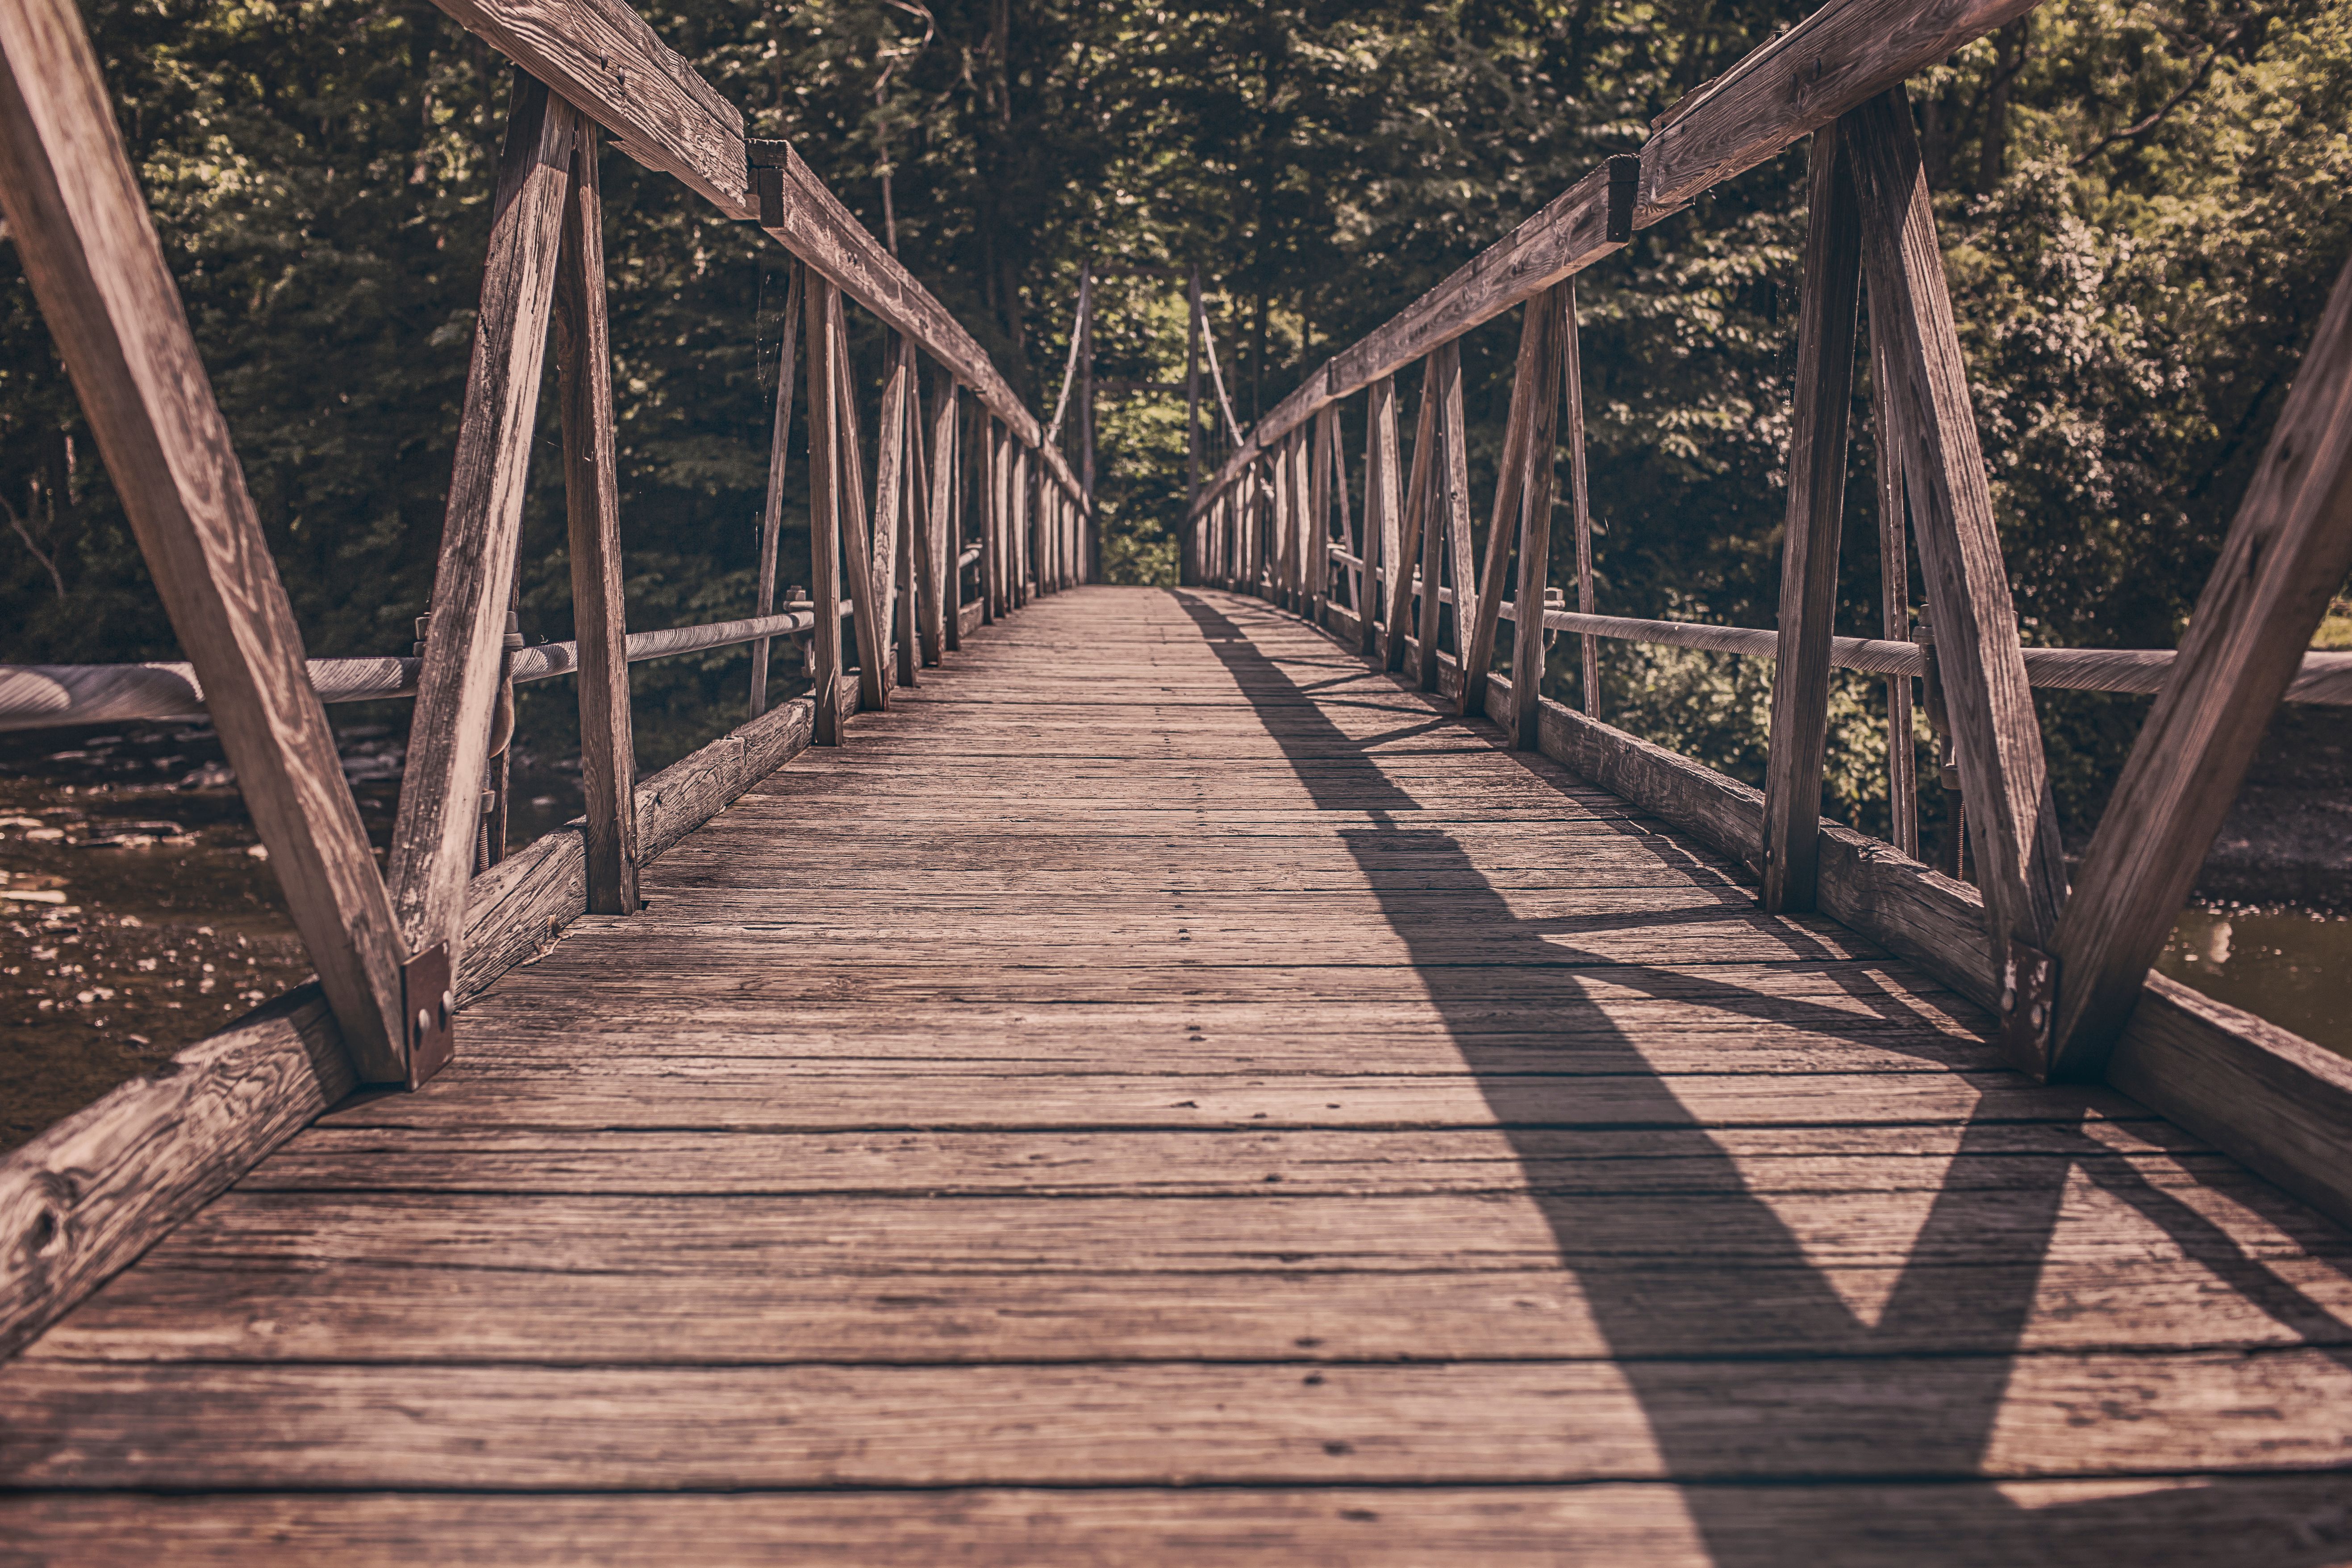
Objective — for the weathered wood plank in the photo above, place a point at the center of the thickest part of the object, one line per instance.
(858, 523)
(1383, 521)
(92, 1193)
(583, 359)
(1531, 384)
(432, 854)
(1895, 601)
(571, 1429)
(89, 251)
(1829, 293)
(2013, 819)
(826, 502)
(772, 510)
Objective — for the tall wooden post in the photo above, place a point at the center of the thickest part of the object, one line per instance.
(2287, 552)
(432, 836)
(1556, 361)
(1403, 606)
(98, 272)
(938, 608)
(1194, 568)
(1894, 604)
(1831, 290)
(1535, 388)
(857, 530)
(1383, 521)
(2012, 820)
(825, 509)
(592, 507)
(1572, 356)
(772, 514)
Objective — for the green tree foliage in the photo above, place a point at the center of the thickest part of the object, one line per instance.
(2142, 206)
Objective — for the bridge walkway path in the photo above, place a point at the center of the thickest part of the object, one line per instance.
(1164, 1092)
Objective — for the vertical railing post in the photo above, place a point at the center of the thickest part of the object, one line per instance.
(772, 512)
(865, 595)
(825, 509)
(1535, 389)
(1894, 604)
(937, 609)
(1383, 521)
(591, 509)
(434, 833)
(1555, 367)
(1195, 566)
(1572, 356)
(2013, 819)
(1403, 606)
(1829, 292)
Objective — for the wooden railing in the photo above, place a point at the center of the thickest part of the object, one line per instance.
(966, 494)
(2066, 971)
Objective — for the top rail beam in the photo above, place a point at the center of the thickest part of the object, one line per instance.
(1841, 55)
(600, 57)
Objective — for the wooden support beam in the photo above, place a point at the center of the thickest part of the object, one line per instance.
(1829, 296)
(1534, 382)
(937, 609)
(449, 730)
(1322, 449)
(1894, 603)
(2012, 820)
(914, 530)
(1451, 504)
(824, 304)
(857, 530)
(890, 486)
(1553, 316)
(1384, 519)
(2288, 551)
(771, 513)
(98, 272)
(592, 506)
(1571, 355)
(1402, 604)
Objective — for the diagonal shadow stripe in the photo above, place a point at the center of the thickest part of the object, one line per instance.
(1836, 1373)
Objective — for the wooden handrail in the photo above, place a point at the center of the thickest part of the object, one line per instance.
(1840, 55)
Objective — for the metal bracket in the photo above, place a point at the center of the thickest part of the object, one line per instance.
(1624, 190)
(763, 171)
(430, 1005)
(2029, 999)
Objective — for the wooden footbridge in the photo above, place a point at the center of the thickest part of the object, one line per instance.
(1222, 1073)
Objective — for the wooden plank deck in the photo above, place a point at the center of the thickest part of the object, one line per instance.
(1164, 1093)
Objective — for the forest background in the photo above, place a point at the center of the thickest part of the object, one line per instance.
(2142, 206)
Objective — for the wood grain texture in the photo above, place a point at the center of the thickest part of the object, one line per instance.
(1278, 1088)
(827, 500)
(1557, 364)
(88, 1195)
(592, 500)
(2012, 818)
(1383, 521)
(859, 522)
(81, 226)
(1829, 293)
(2261, 602)
(1452, 503)
(2291, 1521)
(1533, 382)
(891, 483)
(433, 835)
(1895, 601)
(1835, 60)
